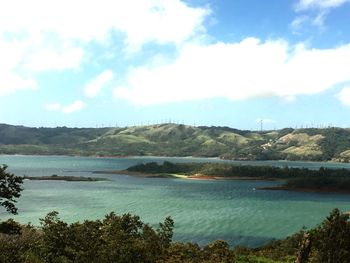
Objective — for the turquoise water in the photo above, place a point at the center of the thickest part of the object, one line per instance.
(203, 211)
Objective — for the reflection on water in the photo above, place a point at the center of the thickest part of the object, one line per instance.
(203, 210)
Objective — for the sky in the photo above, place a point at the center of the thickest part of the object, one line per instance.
(198, 62)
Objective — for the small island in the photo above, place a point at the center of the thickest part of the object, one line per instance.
(55, 177)
(292, 179)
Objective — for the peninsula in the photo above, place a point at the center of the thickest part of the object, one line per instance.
(55, 177)
(293, 179)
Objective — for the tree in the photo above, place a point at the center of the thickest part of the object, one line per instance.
(165, 233)
(304, 249)
(332, 238)
(116, 238)
(10, 189)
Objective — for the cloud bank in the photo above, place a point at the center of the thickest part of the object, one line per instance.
(141, 20)
(238, 71)
(40, 35)
(44, 36)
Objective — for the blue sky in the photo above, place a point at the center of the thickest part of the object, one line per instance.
(199, 62)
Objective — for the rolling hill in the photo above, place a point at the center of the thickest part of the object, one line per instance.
(179, 140)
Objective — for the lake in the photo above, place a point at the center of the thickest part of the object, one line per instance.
(203, 211)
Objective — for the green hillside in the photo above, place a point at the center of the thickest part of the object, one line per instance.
(179, 140)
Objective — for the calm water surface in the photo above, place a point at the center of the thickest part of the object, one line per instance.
(203, 211)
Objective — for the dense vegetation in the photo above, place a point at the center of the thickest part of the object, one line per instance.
(126, 238)
(179, 140)
(294, 178)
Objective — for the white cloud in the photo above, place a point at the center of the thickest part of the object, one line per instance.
(47, 60)
(95, 85)
(142, 21)
(319, 4)
(53, 106)
(322, 7)
(238, 71)
(319, 19)
(298, 22)
(10, 80)
(314, 20)
(344, 96)
(20, 59)
(75, 106)
(39, 35)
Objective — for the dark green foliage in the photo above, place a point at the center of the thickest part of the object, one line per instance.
(23, 247)
(57, 141)
(324, 179)
(218, 130)
(10, 188)
(326, 182)
(270, 154)
(56, 239)
(328, 243)
(86, 241)
(114, 239)
(165, 232)
(10, 227)
(165, 167)
(336, 140)
(331, 239)
(217, 251)
(126, 238)
(182, 252)
(280, 249)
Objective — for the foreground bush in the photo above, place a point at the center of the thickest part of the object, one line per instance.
(114, 239)
(331, 239)
(126, 239)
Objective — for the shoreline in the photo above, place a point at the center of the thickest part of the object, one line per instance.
(185, 177)
(165, 156)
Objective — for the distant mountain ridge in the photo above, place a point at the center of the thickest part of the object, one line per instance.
(180, 140)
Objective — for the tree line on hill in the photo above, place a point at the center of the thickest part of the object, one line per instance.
(179, 140)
